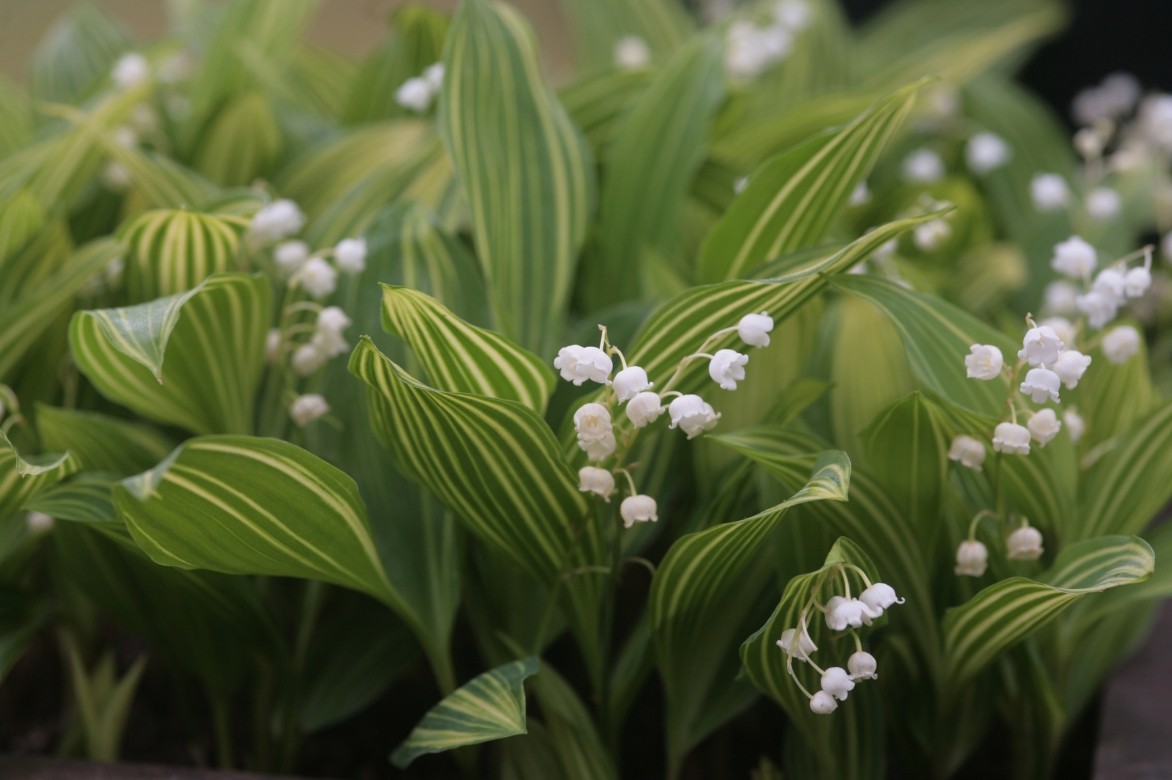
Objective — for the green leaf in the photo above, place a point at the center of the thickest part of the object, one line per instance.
(76, 55)
(598, 103)
(937, 336)
(495, 463)
(489, 706)
(245, 505)
(416, 41)
(1008, 611)
(22, 477)
(463, 358)
(524, 167)
(850, 742)
(600, 24)
(171, 251)
(703, 590)
(99, 442)
(86, 498)
(651, 160)
(793, 199)
(214, 335)
(1115, 397)
(242, 143)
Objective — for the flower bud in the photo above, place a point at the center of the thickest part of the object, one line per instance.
(308, 408)
(822, 703)
(638, 509)
(1011, 438)
(130, 71)
(984, 362)
(968, 451)
(837, 682)
(971, 558)
(1103, 204)
(644, 409)
(986, 152)
(1044, 426)
(862, 666)
(629, 382)
(923, 166)
(1049, 192)
(598, 481)
(1024, 544)
(1041, 385)
(754, 329)
(350, 255)
(631, 53)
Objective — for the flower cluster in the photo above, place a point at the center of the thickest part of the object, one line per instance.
(632, 390)
(417, 93)
(293, 259)
(1023, 543)
(754, 48)
(842, 613)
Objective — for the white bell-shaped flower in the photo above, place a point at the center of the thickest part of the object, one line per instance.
(598, 448)
(986, 152)
(350, 255)
(1063, 327)
(434, 76)
(1049, 192)
(318, 278)
(969, 452)
(37, 523)
(1061, 298)
(289, 256)
(1041, 345)
(822, 703)
(860, 195)
(644, 409)
(754, 329)
(631, 53)
(277, 220)
(1121, 344)
(1074, 258)
(131, 70)
(799, 645)
(307, 359)
(1136, 282)
(598, 481)
(837, 682)
(1011, 438)
(1111, 283)
(592, 420)
(984, 362)
(692, 415)
(272, 351)
(307, 408)
(1075, 425)
(972, 558)
(862, 666)
(880, 596)
(1099, 307)
(923, 166)
(629, 382)
(931, 235)
(1103, 204)
(1070, 366)
(638, 509)
(1041, 385)
(793, 15)
(580, 364)
(1044, 426)
(1024, 544)
(843, 613)
(727, 367)
(414, 94)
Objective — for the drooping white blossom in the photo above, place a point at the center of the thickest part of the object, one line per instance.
(1111, 283)
(969, 452)
(972, 557)
(350, 255)
(692, 415)
(307, 408)
(860, 195)
(862, 666)
(644, 409)
(277, 220)
(592, 420)
(37, 523)
(1103, 204)
(307, 359)
(1024, 544)
(880, 596)
(600, 482)
(599, 447)
(822, 703)
(414, 94)
(130, 71)
(931, 235)
(793, 15)
(581, 364)
(727, 367)
(754, 329)
(1070, 366)
(638, 509)
(317, 277)
(1011, 438)
(923, 166)
(1075, 425)
(843, 613)
(1136, 282)
(1100, 308)
(332, 322)
(629, 382)
(434, 76)
(1074, 258)
(631, 53)
(800, 646)
(986, 152)
(272, 346)
(1060, 298)
(984, 362)
(1049, 192)
(1121, 344)
(837, 682)
(289, 256)
(1041, 385)
(1040, 346)
(1063, 327)
(1044, 426)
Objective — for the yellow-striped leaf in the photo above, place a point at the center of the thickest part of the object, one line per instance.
(1008, 611)
(463, 358)
(937, 336)
(172, 251)
(242, 143)
(850, 742)
(791, 201)
(99, 442)
(214, 336)
(598, 103)
(495, 463)
(701, 594)
(524, 167)
(76, 55)
(489, 706)
(656, 150)
(22, 477)
(247, 505)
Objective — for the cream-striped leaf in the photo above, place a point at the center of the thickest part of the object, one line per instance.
(242, 143)
(76, 55)
(851, 742)
(489, 706)
(22, 477)
(656, 149)
(495, 463)
(702, 592)
(100, 442)
(937, 336)
(248, 505)
(463, 358)
(525, 168)
(1008, 611)
(598, 103)
(171, 251)
(214, 337)
(791, 201)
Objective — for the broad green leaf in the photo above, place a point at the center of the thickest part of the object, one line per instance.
(214, 336)
(652, 157)
(242, 143)
(703, 590)
(22, 477)
(489, 706)
(171, 251)
(101, 443)
(24, 322)
(416, 42)
(1113, 398)
(580, 750)
(245, 505)
(598, 103)
(598, 25)
(525, 168)
(158, 181)
(1008, 611)
(495, 463)
(86, 498)
(937, 336)
(849, 742)
(792, 200)
(463, 358)
(76, 55)
(1120, 495)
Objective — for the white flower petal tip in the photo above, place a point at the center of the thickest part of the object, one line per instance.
(972, 558)
(581, 364)
(754, 329)
(598, 481)
(837, 682)
(727, 367)
(638, 509)
(692, 415)
(308, 408)
(1011, 438)
(1024, 544)
(629, 382)
(967, 451)
(862, 666)
(983, 362)
(822, 703)
(644, 409)
(799, 646)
